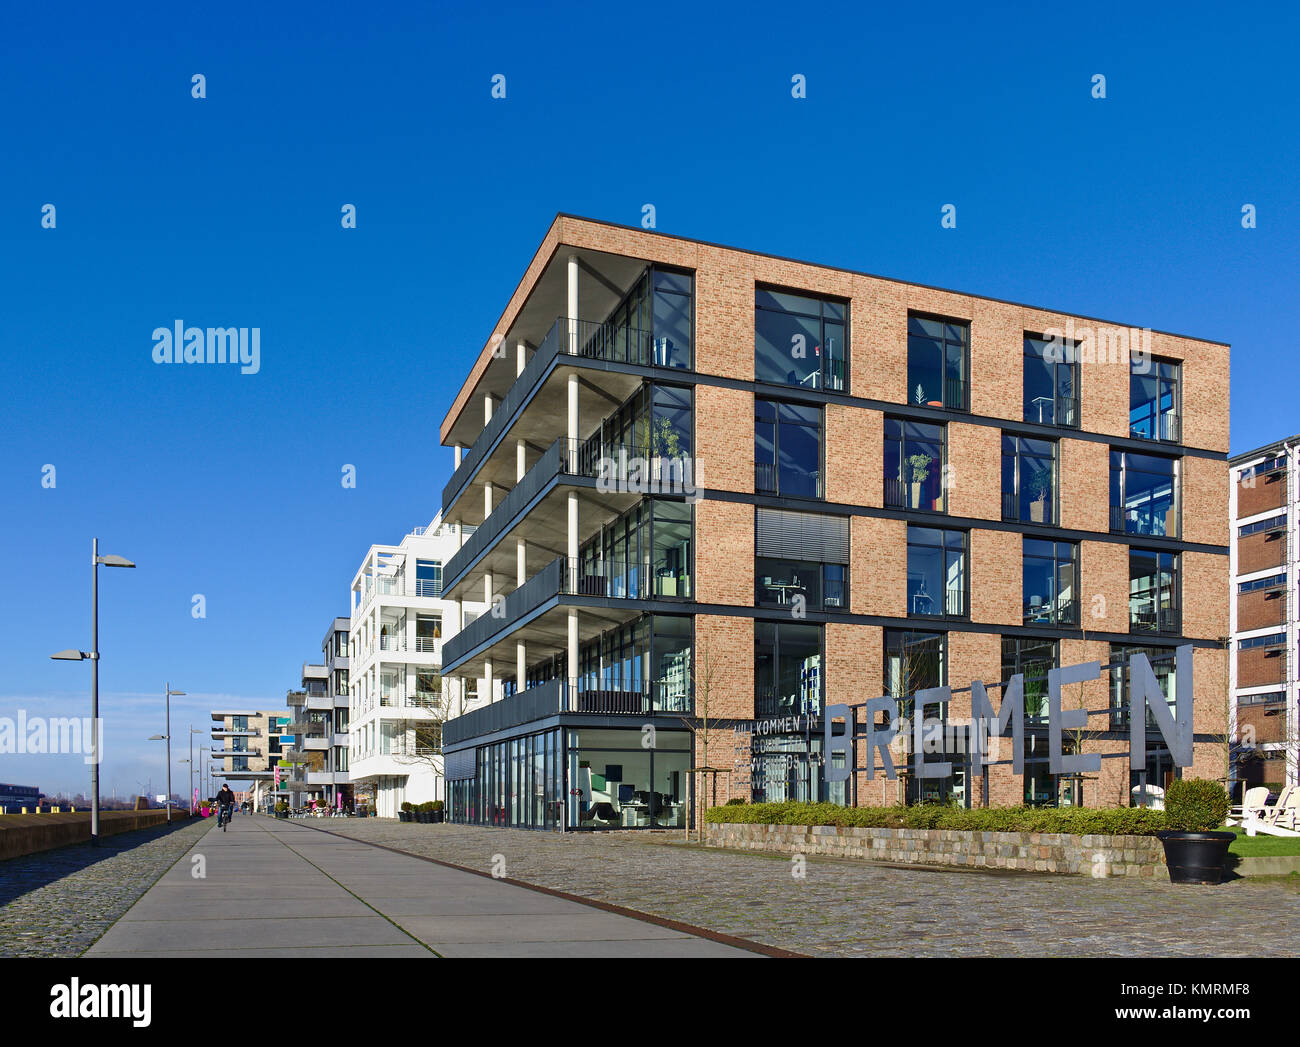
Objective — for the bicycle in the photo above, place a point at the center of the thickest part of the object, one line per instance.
(224, 814)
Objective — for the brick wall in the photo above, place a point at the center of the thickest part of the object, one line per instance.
(724, 563)
(878, 572)
(1258, 552)
(854, 443)
(724, 439)
(1258, 494)
(974, 471)
(1256, 667)
(1259, 610)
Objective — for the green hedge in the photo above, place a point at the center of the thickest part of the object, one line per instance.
(1077, 821)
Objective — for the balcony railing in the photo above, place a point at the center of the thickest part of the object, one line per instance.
(1158, 522)
(601, 341)
(572, 696)
(767, 480)
(1061, 611)
(1166, 427)
(428, 644)
(955, 391)
(900, 495)
(806, 701)
(951, 603)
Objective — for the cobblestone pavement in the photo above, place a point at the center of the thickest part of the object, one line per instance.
(58, 902)
(845, 908)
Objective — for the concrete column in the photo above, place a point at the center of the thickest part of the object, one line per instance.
(521, 460)
(489, 405)
(521, 665)
(521, 358)
(573, 303)
(521, 562)
(571, 452)
(460, 452)
(487, 679)
(571, 548)
(571, 673)
(487, 500)
(487, 591)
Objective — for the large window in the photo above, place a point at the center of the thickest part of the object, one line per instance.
(1153, 591)
(787, 449)
(616, 783)
(1162, 664)
(428, 578)
(800, 340)
(1033, 658)
(1154, 387)
(1143, 494)
(936, 572)
(660, 303)
(1051, 382)
(1051, 582)
(787, 669)
(640, 666)
(938, 361)
(781, 582)
(914, 461)
(1029, 480)
(913, 661)
(801, 556)
(643, 555)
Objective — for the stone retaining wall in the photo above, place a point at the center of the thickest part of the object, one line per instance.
(29, 833)
(1025, 852)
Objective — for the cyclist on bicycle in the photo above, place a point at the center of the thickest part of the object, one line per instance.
(225, 805)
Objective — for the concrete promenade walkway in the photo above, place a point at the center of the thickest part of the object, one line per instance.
(280, 888)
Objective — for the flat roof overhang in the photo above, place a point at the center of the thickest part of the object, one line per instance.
(604, 279)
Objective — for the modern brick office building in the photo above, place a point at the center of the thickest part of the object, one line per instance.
(1265, 542)
(715, 485)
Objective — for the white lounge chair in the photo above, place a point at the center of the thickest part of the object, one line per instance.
(1255, 801)
(1282, 819)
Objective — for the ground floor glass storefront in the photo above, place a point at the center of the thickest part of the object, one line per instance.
(588, 777)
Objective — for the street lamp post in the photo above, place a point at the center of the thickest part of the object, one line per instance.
(93, 656)
(168, 738)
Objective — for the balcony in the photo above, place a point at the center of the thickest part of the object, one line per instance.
(579, 338)
(589, 459)
(1055, 410)
(926, 496)
(572, 696)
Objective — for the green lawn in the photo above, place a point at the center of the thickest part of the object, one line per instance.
(1262, 846)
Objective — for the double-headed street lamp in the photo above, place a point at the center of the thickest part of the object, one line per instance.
(168, 736)
(93, 656)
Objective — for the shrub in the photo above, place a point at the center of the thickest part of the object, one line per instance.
(1195, 805)
(735, 801)
(436, 806)
(407, 806)
(1075, 821)
(281, 807)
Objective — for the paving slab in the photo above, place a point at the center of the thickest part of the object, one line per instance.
(275, 888)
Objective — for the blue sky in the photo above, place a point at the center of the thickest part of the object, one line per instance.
(225, 211)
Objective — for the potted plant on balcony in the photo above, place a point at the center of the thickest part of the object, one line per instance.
(919, 471)
(404, 815)
(1194, 852)
(1040, 488)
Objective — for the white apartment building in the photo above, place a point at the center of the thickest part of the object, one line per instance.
(398, 698)
(1265, 513)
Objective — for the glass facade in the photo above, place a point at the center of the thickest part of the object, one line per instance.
(914, 461)
(1029, 490)
(1050, 582)
(585, 778)
(779, 583)
(1051, 382)
(787, 669)
(936, 572)
(1143, 494)
(661, 302)
(938, 362)
(1153, 591)
(787, 449)
(800, 340)
(643, 555)
(1154, 389)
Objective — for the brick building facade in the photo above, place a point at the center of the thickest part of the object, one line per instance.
(887, 487)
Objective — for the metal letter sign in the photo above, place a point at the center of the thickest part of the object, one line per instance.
(1144, 696)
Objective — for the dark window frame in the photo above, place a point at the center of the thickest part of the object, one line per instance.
(954, 392)
(827, 381)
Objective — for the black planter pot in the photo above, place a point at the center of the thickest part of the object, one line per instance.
(1196, 857)
(437, 817)
(425, 817)
(403, 816)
